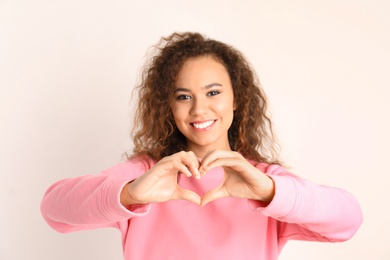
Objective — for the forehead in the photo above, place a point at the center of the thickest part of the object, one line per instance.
(202, 70)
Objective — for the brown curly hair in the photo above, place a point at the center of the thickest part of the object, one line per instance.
(154, 130)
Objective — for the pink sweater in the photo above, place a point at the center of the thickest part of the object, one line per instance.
(227, 228)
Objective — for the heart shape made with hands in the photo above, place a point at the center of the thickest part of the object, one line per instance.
(207, 188)
(169, 179)
(211, 180)
(221, 182)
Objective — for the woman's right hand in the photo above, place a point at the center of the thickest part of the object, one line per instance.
(159, 183)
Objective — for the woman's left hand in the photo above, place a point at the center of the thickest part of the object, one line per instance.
(241, 180)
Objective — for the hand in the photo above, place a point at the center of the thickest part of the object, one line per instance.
(159, 183)
(241, 180)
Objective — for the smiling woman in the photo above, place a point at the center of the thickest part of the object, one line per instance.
(204, 171)
(203, 110)
(156, 134)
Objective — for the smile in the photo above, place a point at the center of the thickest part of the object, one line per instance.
(203, 125)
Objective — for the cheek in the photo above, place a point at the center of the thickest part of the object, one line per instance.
(181, 110)
(177, 114)
(225, 107)
(174, 110)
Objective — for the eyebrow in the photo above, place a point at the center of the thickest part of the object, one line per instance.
(208, 86)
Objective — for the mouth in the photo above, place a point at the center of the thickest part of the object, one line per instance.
(204, 125)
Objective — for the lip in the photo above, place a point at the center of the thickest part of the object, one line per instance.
(207, 125)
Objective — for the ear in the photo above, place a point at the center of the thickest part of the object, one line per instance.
(234, 105)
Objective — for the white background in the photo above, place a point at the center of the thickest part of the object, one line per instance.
(67, 69)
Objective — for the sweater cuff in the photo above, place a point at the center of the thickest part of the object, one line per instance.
(112, 205)
(283, 201)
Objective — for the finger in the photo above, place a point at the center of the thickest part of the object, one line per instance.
(219, 158)
(208, 155)
(170, 165)
(180, 167)
(223, 162)
(214, 194)
(207, 158)
(190, 161)
(185, 194)
(194, 164)
(229, 165)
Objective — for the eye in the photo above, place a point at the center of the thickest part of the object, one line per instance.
(213, 93)
(183, 97)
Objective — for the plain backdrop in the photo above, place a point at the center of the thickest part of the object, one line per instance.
(68, 67)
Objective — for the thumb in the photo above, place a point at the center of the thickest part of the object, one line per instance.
(217, 193)
(187, 195)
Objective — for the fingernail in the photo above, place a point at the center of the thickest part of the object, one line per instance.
(197, 174)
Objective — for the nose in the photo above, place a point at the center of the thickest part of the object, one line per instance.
(199, 106)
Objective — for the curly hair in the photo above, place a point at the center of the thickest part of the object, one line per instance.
(154, 131)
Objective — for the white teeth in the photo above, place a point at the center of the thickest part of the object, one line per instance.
(203, 125)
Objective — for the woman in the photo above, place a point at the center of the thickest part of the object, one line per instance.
(204, 180)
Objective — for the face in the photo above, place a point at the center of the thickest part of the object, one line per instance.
(203, 105)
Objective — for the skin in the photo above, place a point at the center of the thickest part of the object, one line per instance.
(203, 107)
(204, 95)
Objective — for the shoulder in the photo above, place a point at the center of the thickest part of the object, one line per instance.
(271, 169)
(134, 164)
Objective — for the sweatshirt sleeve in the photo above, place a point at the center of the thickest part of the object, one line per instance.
(308, 211)
(91, 201)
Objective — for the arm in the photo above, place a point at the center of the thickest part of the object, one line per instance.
(309, 211)
(118, 194)
(88, 202)
(304, 210)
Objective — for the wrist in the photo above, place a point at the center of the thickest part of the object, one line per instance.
(269, 190)
(125, 197)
